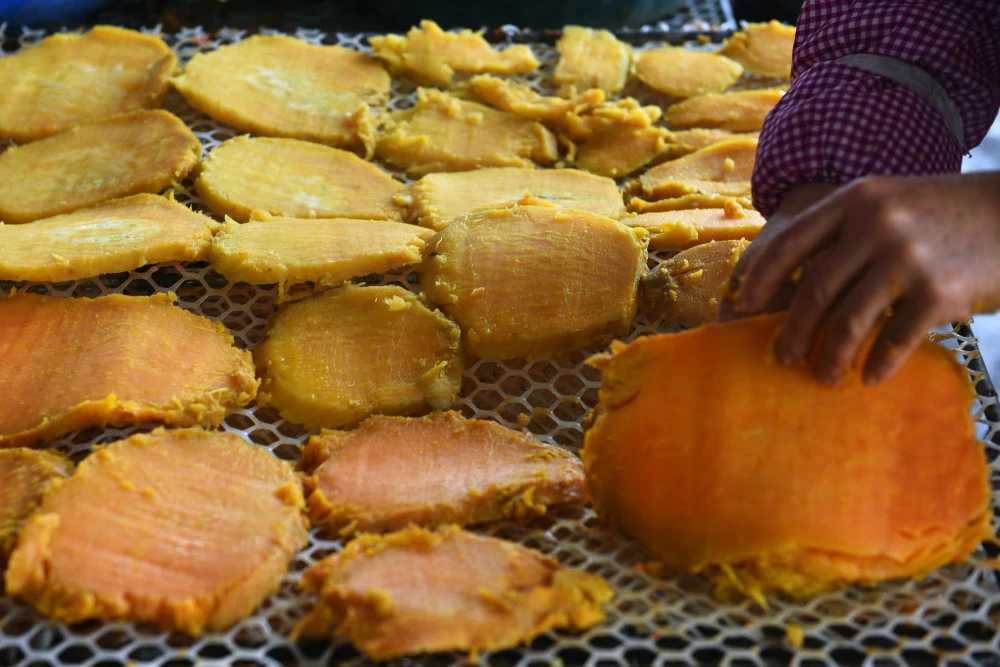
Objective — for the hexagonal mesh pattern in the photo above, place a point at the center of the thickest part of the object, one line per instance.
(952, 615)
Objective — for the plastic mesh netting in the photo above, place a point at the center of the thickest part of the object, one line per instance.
(949, 618)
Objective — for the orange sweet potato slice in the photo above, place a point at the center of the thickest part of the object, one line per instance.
(511, 278)
(196, 528)
(280, 86)
(791, 485)
(144, 151)
(25, 475)
(683, 142)
(764, 49)
(113, 361)
(679, 230)
(724, 168)
(435, 470)
(69, 78)
(689, 201)
(417, 591)
(591, 59)
(331, 361)
(119, 235)
(298, 179)
(681, 72)
(616, 151)
(431, 56)
(743, 111)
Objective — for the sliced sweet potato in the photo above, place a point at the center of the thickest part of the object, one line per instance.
(591, 58)
(689, 201)
(616, 151)
(724, 168)
(737, 112)
(681, 72)
(764, 49)
(678, 230)
(683, 142)
(25, 476)
(524, 101)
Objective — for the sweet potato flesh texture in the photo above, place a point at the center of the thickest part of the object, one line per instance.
(436, 199)
(337, 358)
(444, 133)
(690, 201)
(416, 591)
(67, 364)
(119, 235)
(25, 475)
(328, 252)
(144, 151)
(285, 87)
(679, 230)
(186, 529)
(608, 116)
(688, 287)
(431, 56)
(681, 72)
(790, 485)
(591, 59)
(298, 179)
(435, 470)
(518, 98)
(618, 151)
(70, 79)
(764, 49)
(533, 281)
(724, 168)
(737, 112)
(683, 142)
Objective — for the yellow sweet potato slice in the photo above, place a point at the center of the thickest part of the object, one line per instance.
(144, 151)
(436, 199)
(678, 230)
(417, 591)
(520, 99)
(514, 280)
(281, 86)
(687, 288)
(298, 179)
(615, 151)
(444, 133)
(724, 168)
(610, 116)
(113, 361)
(431, 56)
(333, 360)
(119, 235)
(328, 252)
(791, 485)
(591, 59)
(689, 201)
(25, 475)
(196, 528)
(71, 79)
(436, 470)
(681, 72)
(764, 49)
(743, 111)
(683, 142)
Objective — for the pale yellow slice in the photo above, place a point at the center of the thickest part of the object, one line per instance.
(724, 168)
(288, 251)
(294, 178)
(436, 199)
(281, 86)
(518, 98)
(737, 112)
(683, 142)
(333, 360)
(119, 235)
(615, 151)
(685, 202)
(621, 114)
(69, 78)
(444, 133)
(431, 56)
(678, 230)
(591, 58)
(144, 151)
(764, 49)
(681, 72)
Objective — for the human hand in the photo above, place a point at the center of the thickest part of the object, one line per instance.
(924, 251)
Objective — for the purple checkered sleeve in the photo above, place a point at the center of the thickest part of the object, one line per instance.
(838, 122)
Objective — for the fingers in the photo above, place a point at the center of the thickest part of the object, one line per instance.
(912, 318)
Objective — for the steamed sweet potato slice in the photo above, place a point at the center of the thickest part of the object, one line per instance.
(616, 151)
(436, 199)
(333, 360)
(789, 485)
(69, 78)
(683, 142)
(25, 475)
(281, 86)
(431, 56)
(514, 280)
(444, 133)
(144, 151)
(690, 201)
(435, 470)
(186, 529)
(764, 49)
(327, 252)
(524, 101)
(113, 361)
(295, 178)
(681, 72)
(737, 112)
(687, 288)
(119, 235)
(724, 169)
(611, 115)
(591, 59)
(417, 591)
(678, 230)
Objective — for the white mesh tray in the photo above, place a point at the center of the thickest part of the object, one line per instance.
(951, 617)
